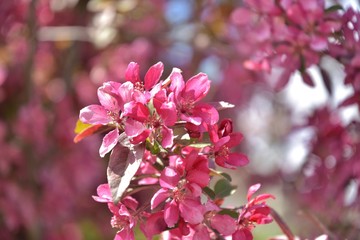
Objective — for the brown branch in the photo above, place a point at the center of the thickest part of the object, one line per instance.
(284, 227)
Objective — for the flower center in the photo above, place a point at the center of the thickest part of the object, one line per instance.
(223, 152)
(119, 222)
(187, 106)
(139, 86)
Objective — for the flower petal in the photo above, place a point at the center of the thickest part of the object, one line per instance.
(94, 114)
(160, 196)
(196, 87)
(169, 178)
(109, 142)
(132, 72)
(153, 75)
(171, 213)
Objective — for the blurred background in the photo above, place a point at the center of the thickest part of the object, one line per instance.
(302, 140)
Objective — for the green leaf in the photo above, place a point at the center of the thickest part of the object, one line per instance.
(226, 176)
(125, 160)
(213, 172)
(231, 213)
(209, 192)
(153, 148)
(334, 8)
(223, 188)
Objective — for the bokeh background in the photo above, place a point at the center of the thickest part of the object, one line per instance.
(54, 54)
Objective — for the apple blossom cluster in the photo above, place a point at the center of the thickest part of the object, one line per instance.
(165, 142)
(285, 34)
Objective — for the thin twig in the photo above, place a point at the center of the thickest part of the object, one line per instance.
(284, 227)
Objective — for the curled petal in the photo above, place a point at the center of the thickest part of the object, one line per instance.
(107, 100)
(252, 190)
(104, 194)
(160, 196)
(196, 87)
(177, 81)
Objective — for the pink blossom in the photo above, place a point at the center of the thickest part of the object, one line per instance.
(224, 139)
(143, 123)
(186, 96)
(151, 78)
(108, 113)
(122, 218)
(182, 202)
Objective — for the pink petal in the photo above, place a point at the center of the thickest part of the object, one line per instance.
(192, 211)
(109, 142)
(263, 197)
(224, 224)
(191, 119)
(94, 114)
(104, 194)
(296, 14)
(252, 190)
(207, 113)
(167, 137)
(169, 178)
(237, 159)
(199, 177)
(235, 139)
(242, 234)
(168, 113)
(107, 100)
(201, 233)
(221, 142)
(130, 202)
(171, 213)
(160, 196)
(141, 137)
(154, 225)
(125, 92)
(132, 72)
(177, 81)
(133, 128)
(241, 16)
(137, 111)
(125, 234)
(318, 43)
(153, 75)
(196, 87)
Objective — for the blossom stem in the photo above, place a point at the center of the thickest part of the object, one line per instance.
(284, 227)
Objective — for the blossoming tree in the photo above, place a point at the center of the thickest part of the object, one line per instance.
(172, 156)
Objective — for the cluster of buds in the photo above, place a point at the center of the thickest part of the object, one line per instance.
(164, 141)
